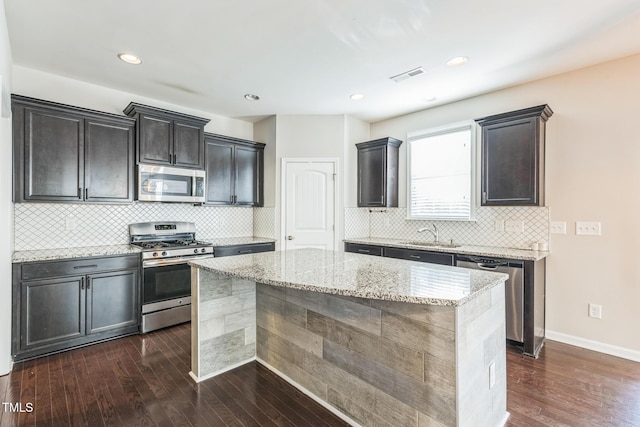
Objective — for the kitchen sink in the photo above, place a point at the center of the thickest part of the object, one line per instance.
(430, 244)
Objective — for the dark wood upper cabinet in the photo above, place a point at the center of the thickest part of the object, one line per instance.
(70, 154)
(513, 146)
(235, 171)
(378, 172)
(167, 137)
(109, 161)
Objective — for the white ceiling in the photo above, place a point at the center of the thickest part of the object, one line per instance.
(308, 56)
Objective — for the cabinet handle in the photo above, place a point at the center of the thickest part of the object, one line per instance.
(382, 199)
(174, 159)
(364, 251)
(86, 194)
(414, 256)
(79, 193)
(82, 284)
(246, 251)
(77, 267)
(484, 197)
(88, 284)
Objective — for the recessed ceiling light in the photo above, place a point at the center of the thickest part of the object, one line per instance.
(430, 98)
(251, 97)
(356, 97)
(458, 60)
(130, 58)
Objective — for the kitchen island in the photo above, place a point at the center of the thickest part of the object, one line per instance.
(377, 341)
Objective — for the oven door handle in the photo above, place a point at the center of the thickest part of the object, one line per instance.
(172, 261)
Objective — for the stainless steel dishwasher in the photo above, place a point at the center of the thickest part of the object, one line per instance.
(514, 289)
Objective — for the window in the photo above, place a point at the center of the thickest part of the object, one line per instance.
(441, 168)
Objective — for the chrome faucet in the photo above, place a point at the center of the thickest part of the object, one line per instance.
(434, 232)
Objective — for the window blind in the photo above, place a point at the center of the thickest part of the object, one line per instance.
(441, 175)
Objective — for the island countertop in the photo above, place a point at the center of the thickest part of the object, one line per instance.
(356, 275)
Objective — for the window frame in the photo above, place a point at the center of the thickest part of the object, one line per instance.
(472, 126)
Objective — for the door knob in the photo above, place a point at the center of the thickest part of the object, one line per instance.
(289, 237)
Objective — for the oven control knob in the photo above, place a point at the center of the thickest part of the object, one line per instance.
(164, 253)
(155, 254)
(203, 250)
(195, 251)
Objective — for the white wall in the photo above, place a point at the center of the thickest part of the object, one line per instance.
(6, 207)
(51, 87)
(310, 136)
(355, 131)
(593, 171)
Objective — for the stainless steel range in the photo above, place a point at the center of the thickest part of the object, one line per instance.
(166, 276)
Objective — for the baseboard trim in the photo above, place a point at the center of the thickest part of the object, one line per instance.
(600, 347)
(221, 371)
(326, 405)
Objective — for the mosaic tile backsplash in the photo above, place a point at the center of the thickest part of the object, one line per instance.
(264, 222)
(56, 225)
(391, 223)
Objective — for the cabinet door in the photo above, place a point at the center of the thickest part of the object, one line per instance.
(53, 152)
(188, 145)
(219, 169)
(108, 161)
(247, 176)
(372, 176)
(112, 301)
(51, 311)
(155, 140)
(510, 163)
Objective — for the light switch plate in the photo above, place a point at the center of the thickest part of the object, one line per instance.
(585, 228)
(558, 227)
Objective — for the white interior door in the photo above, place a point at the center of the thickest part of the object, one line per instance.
(309, 201)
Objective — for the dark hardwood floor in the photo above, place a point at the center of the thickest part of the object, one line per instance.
(143, 380)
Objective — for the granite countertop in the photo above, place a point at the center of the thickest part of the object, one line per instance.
(89, 251)
(488, 251)
(76, 252)
(232, 241)
(357, 275)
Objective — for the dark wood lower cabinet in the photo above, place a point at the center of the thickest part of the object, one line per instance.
(402, 253)
(112, 301)
(363, 249)
(63, 304)
(252, 248)
(421, 256)
(52, 311)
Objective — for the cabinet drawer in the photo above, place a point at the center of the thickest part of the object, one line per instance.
(363, 249)
(55, 268)
(252, 248)
(422, 256)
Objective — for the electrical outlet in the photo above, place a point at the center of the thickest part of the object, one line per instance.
(70, 223)
(595, 311)
(558, 227)
(588, 228)
(492, 375)
(514, 226)
(498, 225)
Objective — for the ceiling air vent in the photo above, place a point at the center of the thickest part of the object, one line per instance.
(404, 76)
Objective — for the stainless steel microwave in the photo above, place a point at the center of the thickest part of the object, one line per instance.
(167, 184)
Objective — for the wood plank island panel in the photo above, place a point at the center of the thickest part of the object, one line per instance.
(371, 361)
